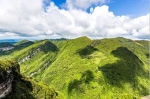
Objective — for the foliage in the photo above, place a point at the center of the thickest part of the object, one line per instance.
(5, 44)
(81, 68)
(23, 87)
(86, 51)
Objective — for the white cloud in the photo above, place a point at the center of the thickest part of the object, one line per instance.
(84, 4)
(142, 32)
(6, 35)
(30, 19)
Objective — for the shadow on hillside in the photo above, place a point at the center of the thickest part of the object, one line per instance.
(17, 48)
(49, 47)
(21, 88)
(125, 70)
(148, 55)
(24, 45)
(85, 52)
(76, 85)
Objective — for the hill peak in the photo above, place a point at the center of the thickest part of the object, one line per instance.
(83, 38)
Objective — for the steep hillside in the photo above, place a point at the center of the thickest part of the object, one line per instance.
(104, 69)
(5, 44)
(15, 47)
(15, 86)
(5, 47)
(34, 58)
(81, 68)
(23, 42)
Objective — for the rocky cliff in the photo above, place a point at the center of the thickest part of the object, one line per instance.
(7, 69)
(6, 48)
(13, 85)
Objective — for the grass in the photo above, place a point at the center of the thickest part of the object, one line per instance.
(82, 68)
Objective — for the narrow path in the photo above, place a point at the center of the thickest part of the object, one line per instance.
(146, 97)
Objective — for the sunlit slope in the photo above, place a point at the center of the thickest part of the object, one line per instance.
(111, 68)
(81, 68)
(33, 58)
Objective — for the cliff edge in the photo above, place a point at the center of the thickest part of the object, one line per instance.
(13, 85)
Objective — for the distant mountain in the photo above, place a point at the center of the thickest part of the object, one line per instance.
(11, 41)
(81, 68)
(6, 48)
(22, 42)
(5, 44)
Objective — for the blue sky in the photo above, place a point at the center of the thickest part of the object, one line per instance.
(44, 19)
(134, 8)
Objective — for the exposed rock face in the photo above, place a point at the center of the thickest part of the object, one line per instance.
(30, 56)
(44, 66)
(5, 88)
(13, 85)
(6, 48)
(6, 79)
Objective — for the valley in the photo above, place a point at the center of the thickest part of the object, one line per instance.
(82, 68)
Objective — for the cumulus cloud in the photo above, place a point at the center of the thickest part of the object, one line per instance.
(84, 4)
(21, 18)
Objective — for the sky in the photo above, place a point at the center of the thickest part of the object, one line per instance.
(50, 19)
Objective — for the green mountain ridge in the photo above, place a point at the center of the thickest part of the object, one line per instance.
(81, 68)
(5, 44)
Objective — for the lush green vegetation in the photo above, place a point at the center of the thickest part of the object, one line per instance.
(17, 46)
(23, 87)
(23, 42)
(5, 44)
(81, 68)
(4, 64)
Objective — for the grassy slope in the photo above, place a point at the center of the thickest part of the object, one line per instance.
(60, 69)
(23, 42)
(85, 69)
(39, 61)
(102, 73)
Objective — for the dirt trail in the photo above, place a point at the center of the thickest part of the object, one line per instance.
(146, 97)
